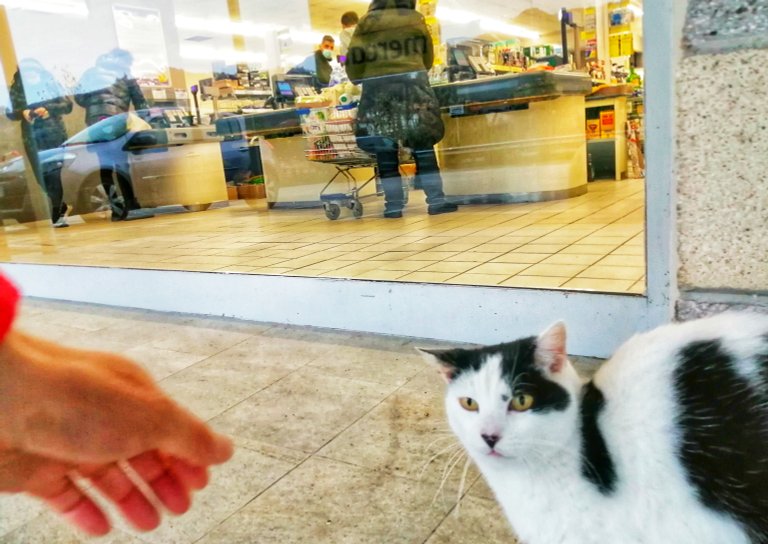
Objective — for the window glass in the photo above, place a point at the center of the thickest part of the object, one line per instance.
(495, 143)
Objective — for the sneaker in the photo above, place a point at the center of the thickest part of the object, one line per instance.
(445, 207)
(61, 223)
(393, 214)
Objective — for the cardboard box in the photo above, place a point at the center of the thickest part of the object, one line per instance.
(593, 129)
(607, 124)
(231, 192)
(251, 191)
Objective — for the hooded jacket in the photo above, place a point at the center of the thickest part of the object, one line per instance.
(42, 133)
(108, 88)
(390, 54)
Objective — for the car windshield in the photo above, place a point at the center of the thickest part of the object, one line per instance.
(109, 129)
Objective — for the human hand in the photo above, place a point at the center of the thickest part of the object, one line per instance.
(42, 112)
(64, 409)
(59, 485)
(92, 407)
(27, 114)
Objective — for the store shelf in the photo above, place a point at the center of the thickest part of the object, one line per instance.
(509, 69)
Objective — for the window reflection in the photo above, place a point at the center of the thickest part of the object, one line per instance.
(491, 109)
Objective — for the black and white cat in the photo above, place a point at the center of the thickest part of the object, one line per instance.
(667, 444)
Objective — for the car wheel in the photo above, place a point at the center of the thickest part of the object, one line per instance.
(95, 200)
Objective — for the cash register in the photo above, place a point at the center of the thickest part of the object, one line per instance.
(286, 88)
(463, 64)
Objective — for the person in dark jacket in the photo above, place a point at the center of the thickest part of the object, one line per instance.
(105, 90)
(38, 101)
(318, 64)
(390, 53)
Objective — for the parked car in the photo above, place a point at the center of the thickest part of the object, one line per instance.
(16, 200)
(166, 166)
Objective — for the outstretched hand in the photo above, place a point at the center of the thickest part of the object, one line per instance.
(69, 415)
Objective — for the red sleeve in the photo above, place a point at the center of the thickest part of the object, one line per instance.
(9, 298)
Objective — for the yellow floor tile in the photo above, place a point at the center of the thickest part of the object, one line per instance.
(612, 272)
(629, 250)
(427, 277)
(477, 279)
(408, 266)
(602, 285)
(510, 269)
(571, 258)
(555, 270)
(474, 256)
(540, 282)
(521, 258)
(380, 275)
(457, 267)
(540, 248)
(623, 260)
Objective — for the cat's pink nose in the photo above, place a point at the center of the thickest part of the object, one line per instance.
(490, 439)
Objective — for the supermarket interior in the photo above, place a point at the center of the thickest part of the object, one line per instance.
(255, 138)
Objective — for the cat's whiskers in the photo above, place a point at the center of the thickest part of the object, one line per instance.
(450, 465)
(445, 450)
(460, 492)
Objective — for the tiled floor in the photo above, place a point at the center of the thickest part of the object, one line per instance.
(341, 437)
(592, 242)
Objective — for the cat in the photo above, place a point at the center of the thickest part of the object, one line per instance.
(667, 444)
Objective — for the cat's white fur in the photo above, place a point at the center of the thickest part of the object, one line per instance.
(538, 480)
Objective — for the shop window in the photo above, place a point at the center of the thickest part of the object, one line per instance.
(471, 143)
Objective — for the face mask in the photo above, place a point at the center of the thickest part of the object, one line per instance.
(327, 53)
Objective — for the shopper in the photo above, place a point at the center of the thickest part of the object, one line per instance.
(105, 90)
(38, 102)
(390, 52)
(318, 63)
(67, 414)
(349, 22)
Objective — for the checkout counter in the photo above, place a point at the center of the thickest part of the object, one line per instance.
(512, 138)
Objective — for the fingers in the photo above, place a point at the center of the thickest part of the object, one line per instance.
(166, 483)
(134, 506)
(78, 509)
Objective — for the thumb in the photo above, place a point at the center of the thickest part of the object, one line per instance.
(187, 437)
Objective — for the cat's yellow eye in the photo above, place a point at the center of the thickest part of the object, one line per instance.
(521, 403)
(469, 404)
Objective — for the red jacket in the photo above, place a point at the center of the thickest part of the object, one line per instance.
(9, 299)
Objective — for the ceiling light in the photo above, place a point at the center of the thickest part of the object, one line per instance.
(223, 26)
(204, 52)
(463, 17)
(62, 7)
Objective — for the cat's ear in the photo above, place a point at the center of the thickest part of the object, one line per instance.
(440, 359)
(550, 348)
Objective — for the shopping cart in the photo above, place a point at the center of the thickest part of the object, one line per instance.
(330, 135)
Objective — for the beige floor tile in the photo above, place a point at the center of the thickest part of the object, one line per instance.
(554, 270)
(539, 282)
(339, 504)
(406, 435)
(613, 272)
(237, 269)
(474, 521)
(328, 405)
(605, 240)
(431, 256)
(474, 256)
(397, 255)
(638, 287)
(16, 510)
(601, 285)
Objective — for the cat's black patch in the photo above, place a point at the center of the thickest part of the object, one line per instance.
(518, 369)
(596, 462)
(724, 422)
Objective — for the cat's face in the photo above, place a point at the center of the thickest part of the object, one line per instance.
(511, 401)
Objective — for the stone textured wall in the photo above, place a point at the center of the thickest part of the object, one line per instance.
(722, 147)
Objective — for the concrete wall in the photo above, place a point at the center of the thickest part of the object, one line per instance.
(722, 157)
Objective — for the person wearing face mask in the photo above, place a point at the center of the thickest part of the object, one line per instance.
(319, 63)
(348, 24)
